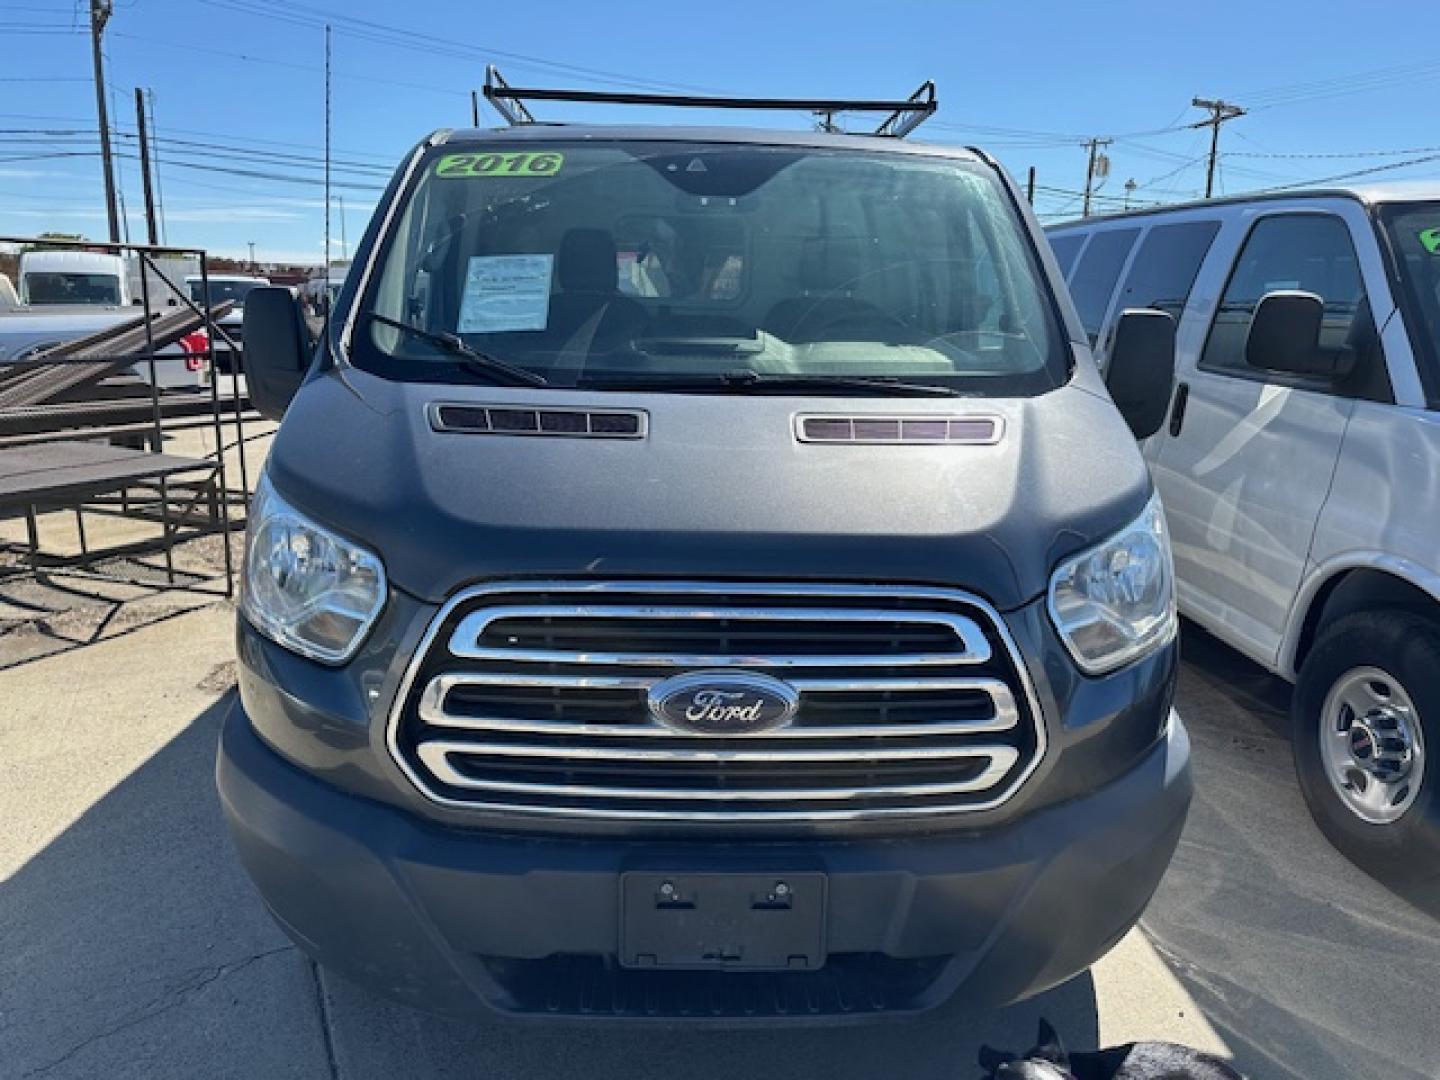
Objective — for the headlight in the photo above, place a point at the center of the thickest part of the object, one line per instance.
(303, 586)
(1116, 601)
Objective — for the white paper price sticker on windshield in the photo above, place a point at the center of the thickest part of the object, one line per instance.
(506, 292)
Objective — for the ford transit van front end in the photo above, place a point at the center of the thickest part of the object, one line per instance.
(703, 576)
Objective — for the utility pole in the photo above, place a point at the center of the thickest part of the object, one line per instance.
(252, 255)
(1030, 186)
(99, 15)
(474, 109)
(1097, 169)
(1220, 111)
(150, 230)
(1130, 186)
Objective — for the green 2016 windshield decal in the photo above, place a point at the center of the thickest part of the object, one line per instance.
(1430, 238)
(539, 163)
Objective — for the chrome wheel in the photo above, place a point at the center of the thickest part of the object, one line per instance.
(1372, 745)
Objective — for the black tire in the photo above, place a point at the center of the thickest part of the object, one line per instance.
(1406, 646)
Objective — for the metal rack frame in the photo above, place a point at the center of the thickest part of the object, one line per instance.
(902, 116)
(215, 491)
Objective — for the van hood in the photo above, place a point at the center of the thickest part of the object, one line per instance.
(719, 488)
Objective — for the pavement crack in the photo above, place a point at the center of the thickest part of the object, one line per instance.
(325, 1031)
(166, 1001)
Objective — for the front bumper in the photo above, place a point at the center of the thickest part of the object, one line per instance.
(458, 920)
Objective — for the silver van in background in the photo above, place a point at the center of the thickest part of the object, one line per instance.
(1300, 469)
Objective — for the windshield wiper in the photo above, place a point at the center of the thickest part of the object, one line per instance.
(753, 382)
(484, 364)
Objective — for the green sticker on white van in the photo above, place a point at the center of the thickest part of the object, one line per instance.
(1430, 240)
(534, 163)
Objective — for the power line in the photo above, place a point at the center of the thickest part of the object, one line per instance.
(250, 58)
(303, 15)
(1344, 85)
(46, 157)
(1389, 167)
(1338, 153)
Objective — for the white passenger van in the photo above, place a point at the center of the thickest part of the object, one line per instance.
(1300, 468)
(91, 278)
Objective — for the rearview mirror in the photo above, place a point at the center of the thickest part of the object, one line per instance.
(1142, 368)
(276, 348)
(1285, 336)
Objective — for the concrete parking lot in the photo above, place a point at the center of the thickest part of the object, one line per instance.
(131, 944)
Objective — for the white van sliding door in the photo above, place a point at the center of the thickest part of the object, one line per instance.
(1246, 463)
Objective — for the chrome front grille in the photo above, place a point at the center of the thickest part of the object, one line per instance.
(531, 697)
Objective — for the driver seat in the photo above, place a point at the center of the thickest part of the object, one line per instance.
(588, 276)
(830, 268)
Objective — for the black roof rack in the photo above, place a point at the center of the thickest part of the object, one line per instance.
(904, 115)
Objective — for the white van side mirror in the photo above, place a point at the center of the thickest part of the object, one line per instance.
(1285, 336)
(1142, 368)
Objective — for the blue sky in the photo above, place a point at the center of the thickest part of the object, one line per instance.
(1028, 81)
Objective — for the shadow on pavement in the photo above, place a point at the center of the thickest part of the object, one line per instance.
(377, 1039)
(47, 614)
(1305, 965)
(133, 946)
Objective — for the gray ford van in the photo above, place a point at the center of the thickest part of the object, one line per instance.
(701, 575)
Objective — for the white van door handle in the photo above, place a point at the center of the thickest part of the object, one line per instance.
(1177, 409)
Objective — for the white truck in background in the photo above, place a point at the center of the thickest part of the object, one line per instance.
(103, 279)
(74, 278)
(64, 295)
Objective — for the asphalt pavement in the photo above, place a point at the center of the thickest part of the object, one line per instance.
(131, 944)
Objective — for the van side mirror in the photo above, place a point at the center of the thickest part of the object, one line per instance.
(276, 349)
(1142, 368)
(1284, 336)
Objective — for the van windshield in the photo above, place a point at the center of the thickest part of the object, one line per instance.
(46, 287)
(1414, 230)
(647, 263)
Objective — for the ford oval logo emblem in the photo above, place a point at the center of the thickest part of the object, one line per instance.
(723, 703)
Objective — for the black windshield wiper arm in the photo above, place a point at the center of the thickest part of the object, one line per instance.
(753, 382)
(474, 359)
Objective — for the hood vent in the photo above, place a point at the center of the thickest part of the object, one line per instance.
(574, 423)
(898, 430)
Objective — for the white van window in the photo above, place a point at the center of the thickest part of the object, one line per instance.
(1312, 253)
(1166, 265)
(1094, 281)
(1066, 248)
(47, 287)
(591, 261)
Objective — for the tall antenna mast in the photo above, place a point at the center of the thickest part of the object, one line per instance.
(155, 167)
(326, 262)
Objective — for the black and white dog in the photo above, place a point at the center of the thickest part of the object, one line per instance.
(1133, 1061)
